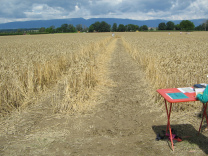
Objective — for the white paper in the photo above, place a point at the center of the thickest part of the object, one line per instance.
(186, 90)
(199, 90)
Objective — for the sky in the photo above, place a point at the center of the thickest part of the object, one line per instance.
(26, 10)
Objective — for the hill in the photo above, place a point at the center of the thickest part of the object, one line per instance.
(86, 22)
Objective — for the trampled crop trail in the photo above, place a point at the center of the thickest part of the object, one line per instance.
(120, 124)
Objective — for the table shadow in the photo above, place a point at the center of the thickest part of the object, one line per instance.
(188, 133)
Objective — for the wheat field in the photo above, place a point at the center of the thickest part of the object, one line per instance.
(170, 60)
(69, 94)
(32, 65)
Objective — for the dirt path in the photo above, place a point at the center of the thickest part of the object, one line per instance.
(121, 125)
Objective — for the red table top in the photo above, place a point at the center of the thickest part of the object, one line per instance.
(163, 92)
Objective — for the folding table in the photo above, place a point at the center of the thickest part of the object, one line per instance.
(190, 96)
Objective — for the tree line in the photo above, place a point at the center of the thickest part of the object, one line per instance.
(184, 25)
(105, 27)
(95, 27)
(65, 28)
(203, 26)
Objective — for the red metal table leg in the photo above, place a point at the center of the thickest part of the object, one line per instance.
(168, 124)
(204, 115)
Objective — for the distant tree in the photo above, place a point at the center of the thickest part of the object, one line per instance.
(85, 28)
(42, 29)
(79, 27)
(59, 30)
(121, 28)
(136, 27)
(96, 26)
(162, 26)
(143, 28)
(71, 28)
(104, 27)
(187, 25)
(128, 27)
(178, 27)
(64, 27)
(170, 25)
(114, 28)
(91, 28)
(19, 31)
(199, 28)
(131, 27)
(51, 29)
(100, 27)
(205, 25)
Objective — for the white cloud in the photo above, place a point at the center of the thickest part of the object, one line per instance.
(77, 8)
(44, 11)
(200, 6)
(111, 2)
(197, 9)
(19, 10)
(79, 12)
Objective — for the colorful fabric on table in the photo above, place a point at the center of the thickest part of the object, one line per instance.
(203, 97)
